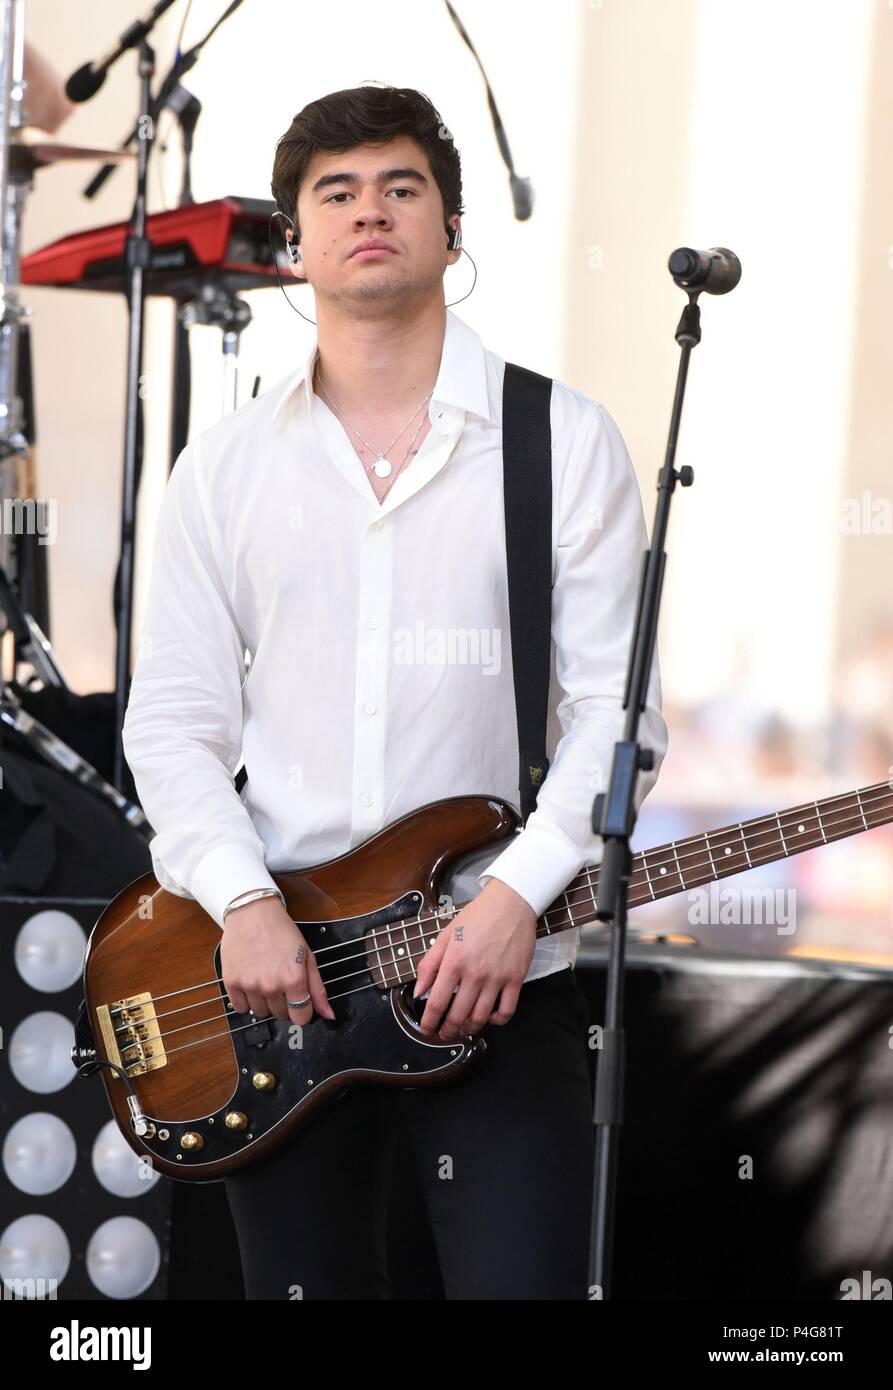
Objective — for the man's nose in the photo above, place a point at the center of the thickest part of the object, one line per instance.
(372, 208)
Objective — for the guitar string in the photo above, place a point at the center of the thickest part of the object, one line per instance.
(416, 922)
(385, 939)
(640, 877)
(229, 1032)
(698, 851)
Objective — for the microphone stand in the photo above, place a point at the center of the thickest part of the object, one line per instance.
(188, 111)
(137, 259)
(614, 818)
(137, 254)
(169, 95)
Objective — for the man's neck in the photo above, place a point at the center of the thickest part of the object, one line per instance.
(374, 367)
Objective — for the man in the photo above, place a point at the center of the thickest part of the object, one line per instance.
(342, 529)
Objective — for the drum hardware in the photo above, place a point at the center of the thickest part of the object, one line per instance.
(80, 87)
(52, 749)
(22, 150)
(217, 307)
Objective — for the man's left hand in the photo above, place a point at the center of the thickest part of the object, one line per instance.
(477, 965)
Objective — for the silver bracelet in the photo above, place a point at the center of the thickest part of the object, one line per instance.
(253, 897)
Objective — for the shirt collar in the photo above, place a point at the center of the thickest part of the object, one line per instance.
(461, 380)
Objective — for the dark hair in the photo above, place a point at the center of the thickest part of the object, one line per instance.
(367, 115)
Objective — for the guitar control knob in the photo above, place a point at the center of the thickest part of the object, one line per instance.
(263, 1081)
(191, 1142)
(236, 1120)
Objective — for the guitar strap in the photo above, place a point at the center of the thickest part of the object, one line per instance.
(527, 489)
(527, 493)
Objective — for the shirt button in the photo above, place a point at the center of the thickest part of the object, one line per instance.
(370, 709)
(373, 622)
(377, 525)
(367, 798)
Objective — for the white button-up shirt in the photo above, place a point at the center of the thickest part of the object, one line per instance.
(376, 639)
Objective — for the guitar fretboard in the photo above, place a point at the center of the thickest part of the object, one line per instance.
(685, 864)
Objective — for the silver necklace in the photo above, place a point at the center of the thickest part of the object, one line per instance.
(381, 466)
(406, 455)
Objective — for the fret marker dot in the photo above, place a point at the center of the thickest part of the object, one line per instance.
(663, 868)
(400, 952)
(728, 851)
(801, 828)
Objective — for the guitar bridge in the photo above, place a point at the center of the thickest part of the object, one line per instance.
(129, 1029)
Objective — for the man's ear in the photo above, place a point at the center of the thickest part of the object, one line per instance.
(454, 251)
(297, 270)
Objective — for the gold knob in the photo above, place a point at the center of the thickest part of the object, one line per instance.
(263, 1080)
(235, 1120)
(191, 1141)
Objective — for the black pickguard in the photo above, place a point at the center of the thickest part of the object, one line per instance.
(375, 1034)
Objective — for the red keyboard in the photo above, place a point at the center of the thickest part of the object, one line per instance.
(225, 241)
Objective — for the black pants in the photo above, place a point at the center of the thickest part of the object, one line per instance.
(504, 1159)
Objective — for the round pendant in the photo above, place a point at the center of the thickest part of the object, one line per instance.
(382, 467)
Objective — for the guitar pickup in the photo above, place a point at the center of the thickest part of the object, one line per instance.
(258, 1033)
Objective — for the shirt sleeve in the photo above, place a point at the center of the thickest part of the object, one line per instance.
(183, 725)
(601, 540)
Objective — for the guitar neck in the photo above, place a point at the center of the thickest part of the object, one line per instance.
(713, 854)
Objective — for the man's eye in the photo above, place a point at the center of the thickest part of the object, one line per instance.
(410, 191)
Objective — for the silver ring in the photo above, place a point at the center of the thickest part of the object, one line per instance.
(297, 1003)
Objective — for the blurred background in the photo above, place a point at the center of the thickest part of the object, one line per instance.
(762, 125)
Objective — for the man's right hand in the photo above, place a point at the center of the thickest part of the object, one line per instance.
(266, 961)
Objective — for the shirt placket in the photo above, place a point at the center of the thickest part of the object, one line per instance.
(371, 678)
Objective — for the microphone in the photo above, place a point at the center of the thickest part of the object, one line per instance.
(85, 83)
(716, 271)
(522, 196)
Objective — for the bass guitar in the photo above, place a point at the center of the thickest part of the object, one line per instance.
(202, 1091)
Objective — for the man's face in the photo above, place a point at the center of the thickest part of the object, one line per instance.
(385, 193)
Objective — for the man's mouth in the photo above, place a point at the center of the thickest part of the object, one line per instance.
(371, 249)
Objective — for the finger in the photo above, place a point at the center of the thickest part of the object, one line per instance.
(428, 966)
(298, 987)
(304, 1014)
(481, 1013)
(237, 998)
(460, 1009)
(439, 1000)
(507, 1004)
(319, 993)
(256, 1002)
(277, 1006)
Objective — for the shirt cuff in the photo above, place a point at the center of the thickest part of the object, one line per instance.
(225, 873)
(537, 865)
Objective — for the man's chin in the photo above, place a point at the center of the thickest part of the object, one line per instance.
(382, 288)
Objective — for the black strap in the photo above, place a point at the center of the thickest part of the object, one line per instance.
(527, 491)
(527, 486)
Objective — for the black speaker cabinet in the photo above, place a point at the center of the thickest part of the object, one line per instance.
(756, 1157)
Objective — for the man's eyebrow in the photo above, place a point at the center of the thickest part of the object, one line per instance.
(383, 176)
